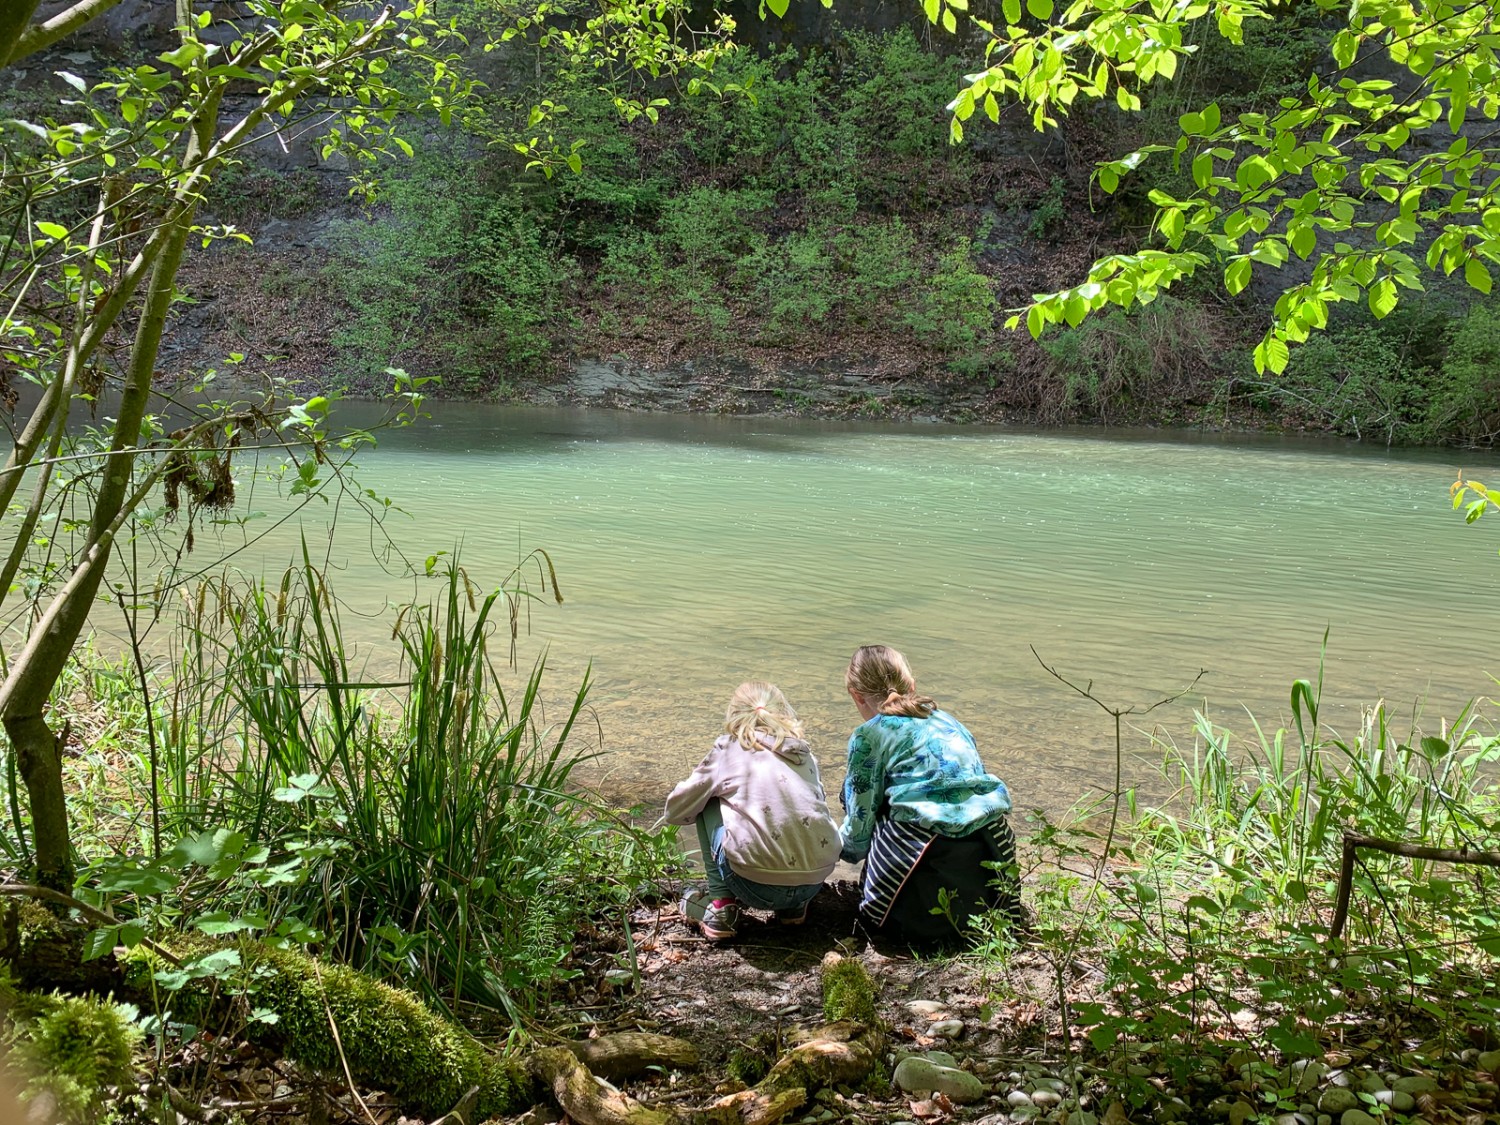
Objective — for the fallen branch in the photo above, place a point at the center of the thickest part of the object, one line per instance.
(625, 1054)
(842, 1052)
(1353, 841)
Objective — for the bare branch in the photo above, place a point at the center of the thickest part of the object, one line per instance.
(48, 32)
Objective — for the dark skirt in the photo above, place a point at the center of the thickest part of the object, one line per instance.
(925, 889)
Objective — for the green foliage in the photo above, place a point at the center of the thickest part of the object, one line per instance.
(1463, 403)
(1324, 175)
(454, 264)
(849, 993)
(1220, 901)
(448, 851)
(71, 1052)
(1113, 367)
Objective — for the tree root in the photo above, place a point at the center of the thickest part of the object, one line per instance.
(844, 1052)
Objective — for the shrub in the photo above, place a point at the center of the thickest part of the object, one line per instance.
(957, 309)
(1464, 402)
(1116, 364)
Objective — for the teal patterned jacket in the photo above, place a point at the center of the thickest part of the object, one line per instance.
(917, 771)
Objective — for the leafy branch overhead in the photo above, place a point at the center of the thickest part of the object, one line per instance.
(1333, 176)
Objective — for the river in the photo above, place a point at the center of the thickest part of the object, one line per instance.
(698, 551)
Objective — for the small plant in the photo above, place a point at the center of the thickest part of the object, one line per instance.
(71, 1054)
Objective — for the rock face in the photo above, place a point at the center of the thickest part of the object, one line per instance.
(923, 1076)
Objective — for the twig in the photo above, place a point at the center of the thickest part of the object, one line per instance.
(339, 1045)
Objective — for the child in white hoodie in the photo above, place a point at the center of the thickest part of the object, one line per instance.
(764, 829)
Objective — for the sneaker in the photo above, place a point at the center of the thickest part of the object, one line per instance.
(793, 917)
(717, 922)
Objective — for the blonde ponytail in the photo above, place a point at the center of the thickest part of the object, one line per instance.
(759, 708)
(880, 672)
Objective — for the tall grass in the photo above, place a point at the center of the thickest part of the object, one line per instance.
(458, 856)
(1208, 928)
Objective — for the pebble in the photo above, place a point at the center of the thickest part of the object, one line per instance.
(1356, 1117)
(1489, 1060)
(947, 1029)
(1336, 1099)
(1018, 1097)
(1372, 1084)
(1046, 1099)
(1240, 1112)
(1243, 1058)
(1415, 1084)
(1307, 1072)
(1325, 1119)
(926, 1008)
(1399, 1100)
(921, 1076)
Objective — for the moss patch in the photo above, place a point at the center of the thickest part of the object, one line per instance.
(70, 1052)
(391, 1039)
(848, 993)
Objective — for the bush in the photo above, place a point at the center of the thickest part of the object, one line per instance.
(458, 267)
(1115, 365)
(1464, 402)
(957, 310)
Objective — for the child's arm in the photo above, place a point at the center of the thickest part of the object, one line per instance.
(864, 788)
(686, 801)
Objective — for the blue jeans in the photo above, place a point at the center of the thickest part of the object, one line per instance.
(724, 883)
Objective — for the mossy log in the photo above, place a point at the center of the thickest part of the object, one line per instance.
(625, 1054)
(844, 1052)
(336, 1020)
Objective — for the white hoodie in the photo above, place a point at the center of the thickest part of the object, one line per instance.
(777, 829)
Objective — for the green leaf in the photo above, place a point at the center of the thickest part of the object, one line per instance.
(1237, 275)
(1109, 179)
(1383, 298)
(53, 230)
(100, 942)
(1041, 9)
(1477, 274)
(1254, 173)
(931, 7)
(1012, 9)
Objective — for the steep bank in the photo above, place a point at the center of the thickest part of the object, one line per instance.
(801, 240)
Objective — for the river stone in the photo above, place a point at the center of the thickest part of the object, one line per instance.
(1018, 1097)
(1336, 1099)
(1307, 1072)
(1490, 1061)
(1415, 1084)
(1046, 1099)
(1240, 1112)
(929, 1008)
(921, 1076)
(947, 1029)
(1372, 1084)
(1324, 1119)
(1356, 1117)
(1399, 1100)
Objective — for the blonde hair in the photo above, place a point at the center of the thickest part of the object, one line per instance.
(879, 672)
(757, 707)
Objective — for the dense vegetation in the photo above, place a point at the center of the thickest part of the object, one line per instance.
(237, 852)
(813, 209)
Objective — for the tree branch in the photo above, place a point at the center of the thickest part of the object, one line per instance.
(45, 34)
(1353, 841)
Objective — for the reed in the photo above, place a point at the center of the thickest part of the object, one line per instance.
(460, 857)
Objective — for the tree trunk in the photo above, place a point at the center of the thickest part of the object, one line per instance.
(39, 761)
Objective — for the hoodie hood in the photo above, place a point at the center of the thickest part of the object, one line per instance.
(794, 750)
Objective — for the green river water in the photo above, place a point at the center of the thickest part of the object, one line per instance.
(695, 552)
